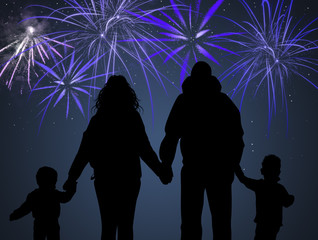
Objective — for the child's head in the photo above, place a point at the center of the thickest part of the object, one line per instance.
(271, 167)
(46, 177)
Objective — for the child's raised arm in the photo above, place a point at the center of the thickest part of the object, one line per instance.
(66, 196)
(248, 182)
(23, 210)
(239, 173)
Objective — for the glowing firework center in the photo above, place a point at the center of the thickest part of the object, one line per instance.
(30, 30)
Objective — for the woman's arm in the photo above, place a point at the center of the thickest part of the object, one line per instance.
(79, 163)
(146, 151)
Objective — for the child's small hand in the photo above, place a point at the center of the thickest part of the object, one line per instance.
(12, 217)
(290, 200)
(70, 185)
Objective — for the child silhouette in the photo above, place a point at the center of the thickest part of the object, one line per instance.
(271, 197)
(44, 203)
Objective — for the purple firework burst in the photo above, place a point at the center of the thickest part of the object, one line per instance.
(115, 30)
(275, 47)
(30, 45)
(188, 27)
(67, 79)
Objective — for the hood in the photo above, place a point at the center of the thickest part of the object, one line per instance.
(193, 85)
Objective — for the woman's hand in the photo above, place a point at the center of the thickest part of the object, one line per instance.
(166, 174)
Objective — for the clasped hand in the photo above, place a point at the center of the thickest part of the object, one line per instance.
(166, 174)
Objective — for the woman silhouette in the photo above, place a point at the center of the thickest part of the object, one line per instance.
(113, 142)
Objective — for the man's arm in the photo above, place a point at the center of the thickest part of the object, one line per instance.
(236, 133)
(168, 148)
(169, 143)
(173, 130)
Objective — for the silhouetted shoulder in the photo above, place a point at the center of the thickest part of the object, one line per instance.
(138, 132)
(273, 190)
(135, 116)
(226, 100)
(234, 116)
(33, 195)
(95, 123)
(179, 100)
(39, 195)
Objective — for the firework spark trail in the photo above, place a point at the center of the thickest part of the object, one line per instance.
(114, 29)
(29, 46)
(71, 78)
(273, 50)
(192, 34)
(8, 46)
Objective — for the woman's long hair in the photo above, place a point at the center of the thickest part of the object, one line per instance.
(117, 94)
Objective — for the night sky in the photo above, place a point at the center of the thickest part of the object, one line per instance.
(25, 148)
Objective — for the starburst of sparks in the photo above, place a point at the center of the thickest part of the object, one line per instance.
(67, 79)
(111, 36)
(112, 29)
(275, 48)
(190, 30)
(29, 46)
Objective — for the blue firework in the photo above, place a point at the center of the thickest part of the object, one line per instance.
(27, 46)
(189, 29)
(68, 80)
(275, 47)
(112, 29)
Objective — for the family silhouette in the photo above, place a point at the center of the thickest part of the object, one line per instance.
(208, 126)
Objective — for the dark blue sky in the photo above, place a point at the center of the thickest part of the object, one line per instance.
(24, 150)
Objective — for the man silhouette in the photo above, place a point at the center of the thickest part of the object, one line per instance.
(209, 127)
